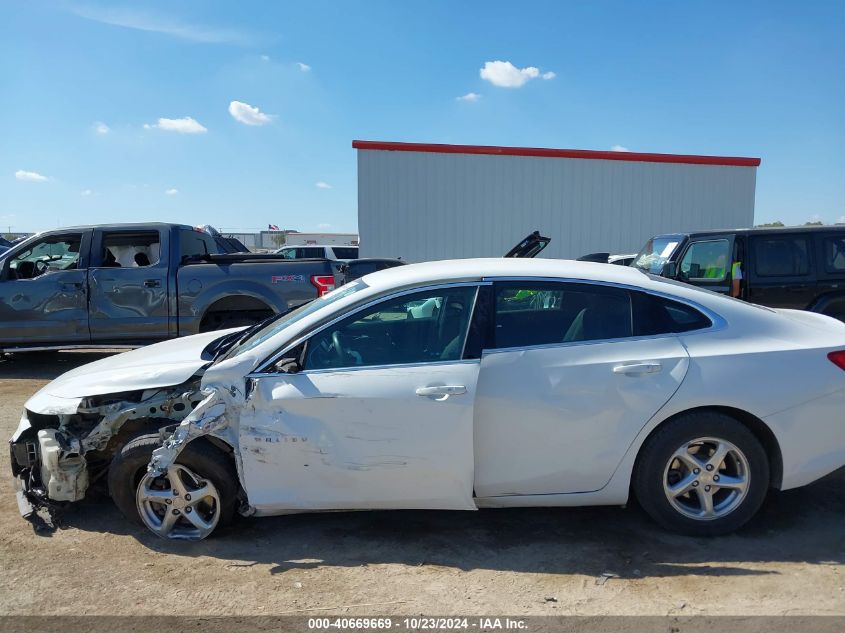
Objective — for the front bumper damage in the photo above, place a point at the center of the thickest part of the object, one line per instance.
(57, 454)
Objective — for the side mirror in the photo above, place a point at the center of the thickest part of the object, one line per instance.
(670, 270)
(288, 366)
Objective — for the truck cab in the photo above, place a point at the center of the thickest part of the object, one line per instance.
(800, 268)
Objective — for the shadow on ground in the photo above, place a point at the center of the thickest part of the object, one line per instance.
(45, 365)
(802, 525)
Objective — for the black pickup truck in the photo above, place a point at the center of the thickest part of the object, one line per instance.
(801, 268)
(132, 284)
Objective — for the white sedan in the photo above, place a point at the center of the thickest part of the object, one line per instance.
(455, 385)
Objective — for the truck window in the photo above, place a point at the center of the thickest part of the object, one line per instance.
(345, 252)
(310, 251)
(56, 252)
(834, 254)
(125, 249)
(195, 244)
(781, 256)
(706, 261)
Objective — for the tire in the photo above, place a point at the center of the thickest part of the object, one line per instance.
(659, 475)
(129, 466)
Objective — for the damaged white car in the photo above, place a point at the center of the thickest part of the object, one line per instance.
(455, 385)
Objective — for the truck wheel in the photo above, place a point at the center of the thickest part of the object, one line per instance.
(201, 495)
(702, 474)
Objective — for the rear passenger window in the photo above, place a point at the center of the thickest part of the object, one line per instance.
(124, 249)
(655, 315)
(548, 313)
(309, 252)
(786, 256)
(834, 254)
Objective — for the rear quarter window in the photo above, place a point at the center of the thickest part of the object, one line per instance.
(655, 315)
(345, 252)
(834, 254)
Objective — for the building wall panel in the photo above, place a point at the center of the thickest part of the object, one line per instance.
(424, 205)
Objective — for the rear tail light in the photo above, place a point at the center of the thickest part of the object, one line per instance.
(838, 358)
(324, 283)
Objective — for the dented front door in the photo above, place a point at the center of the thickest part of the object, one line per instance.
(361, 438)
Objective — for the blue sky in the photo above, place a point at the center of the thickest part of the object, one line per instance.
(120, 111)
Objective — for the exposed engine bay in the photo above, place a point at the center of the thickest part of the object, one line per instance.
(58, 458)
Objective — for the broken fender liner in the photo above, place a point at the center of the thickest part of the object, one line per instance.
(208, 417)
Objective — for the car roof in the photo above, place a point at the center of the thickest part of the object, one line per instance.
(447, 271)
(761, 231)
(117, 226)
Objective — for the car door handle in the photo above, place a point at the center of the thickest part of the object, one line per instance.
(152, 283)
(443, 391)
(637, 369)
(71, 285)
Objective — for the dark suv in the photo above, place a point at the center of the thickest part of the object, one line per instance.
(801, 268)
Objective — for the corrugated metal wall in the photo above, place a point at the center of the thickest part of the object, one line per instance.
(422, 206)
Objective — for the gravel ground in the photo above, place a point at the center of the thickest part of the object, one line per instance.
(520, 562)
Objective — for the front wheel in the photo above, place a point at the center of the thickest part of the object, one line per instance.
(702, 474)
(198, 492)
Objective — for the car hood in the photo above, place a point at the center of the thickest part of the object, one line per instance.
(160, 365)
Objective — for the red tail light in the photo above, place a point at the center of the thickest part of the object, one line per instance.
(324, 283)
(838, 358)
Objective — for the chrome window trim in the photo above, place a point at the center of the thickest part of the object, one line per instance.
(717, 321)
(309, 372)
(260, 369)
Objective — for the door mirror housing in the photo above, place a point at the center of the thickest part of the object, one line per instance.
(670, 270)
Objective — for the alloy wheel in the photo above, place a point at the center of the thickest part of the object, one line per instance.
(178, 505)
(706, 479)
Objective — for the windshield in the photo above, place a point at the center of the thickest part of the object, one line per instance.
(277, 325)
(656, 253)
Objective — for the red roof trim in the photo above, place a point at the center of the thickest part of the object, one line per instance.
(735, 161)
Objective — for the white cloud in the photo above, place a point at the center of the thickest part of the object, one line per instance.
(247, 114)
(841, 219)
(171, 192)
(470, 96)
(303, 67)
(185, 125)
(141, 21)
(324, 226)
(322, 185)
(506, 75)
(265, 58)
(619, 148)
(549, 75)
(86, 193)
(30, 176)
(101, 128)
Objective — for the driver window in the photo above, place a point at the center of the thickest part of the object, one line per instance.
(422, 327)
(706, 261)
(53, 253)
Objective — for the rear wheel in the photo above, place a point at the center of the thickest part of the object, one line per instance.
(702, 474)
(198, 492)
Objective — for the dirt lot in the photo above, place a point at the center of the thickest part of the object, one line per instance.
(538, 561)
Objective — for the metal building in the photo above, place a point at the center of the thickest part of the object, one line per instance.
(422, 202)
